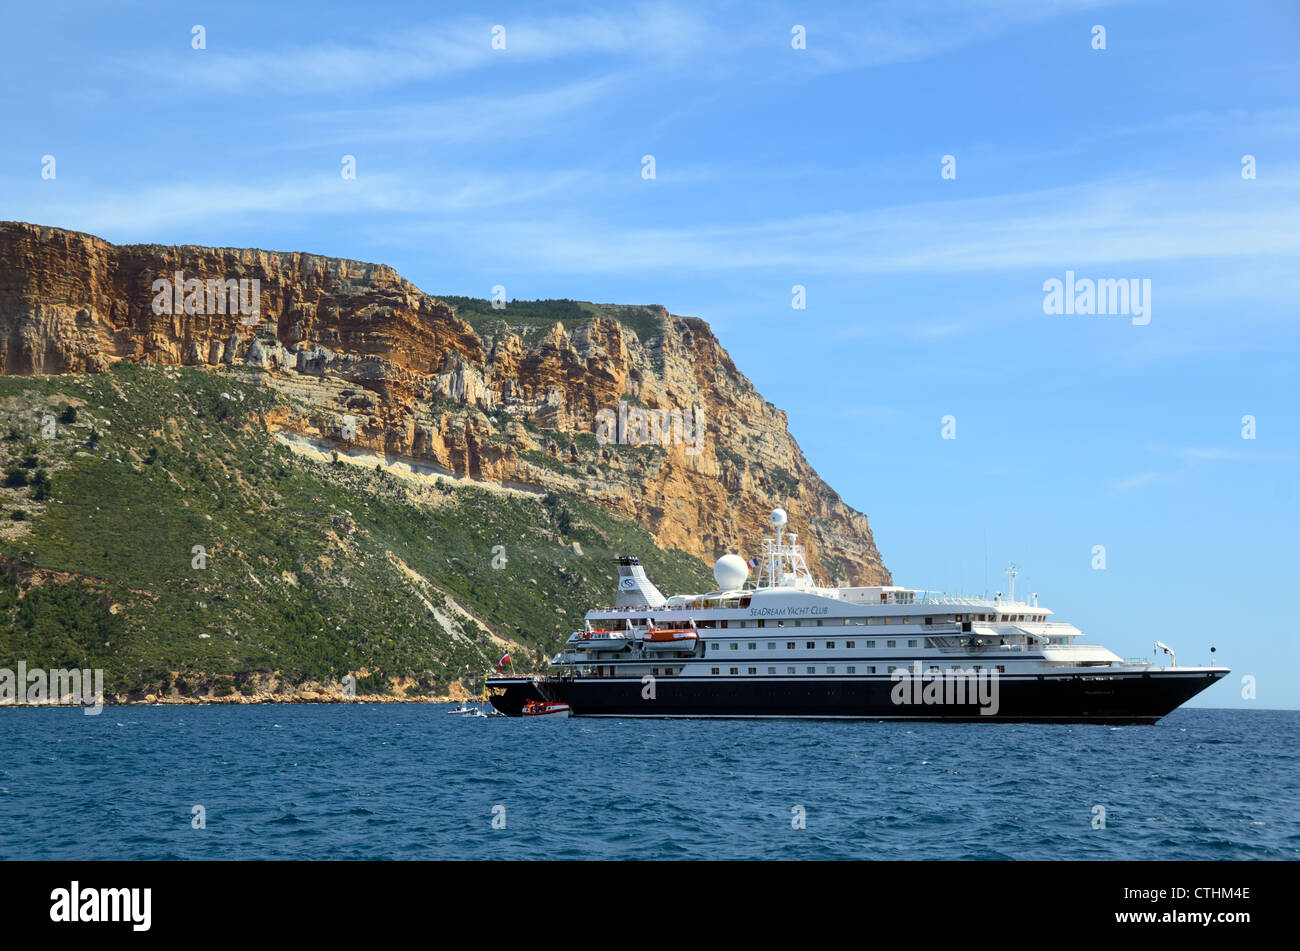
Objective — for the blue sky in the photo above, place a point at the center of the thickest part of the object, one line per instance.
(775, 167)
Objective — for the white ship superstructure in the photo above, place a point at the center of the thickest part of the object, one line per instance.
(788, 646)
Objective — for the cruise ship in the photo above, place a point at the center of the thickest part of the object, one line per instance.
(784, 646)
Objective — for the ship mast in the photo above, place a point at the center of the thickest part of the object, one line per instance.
(782, 560)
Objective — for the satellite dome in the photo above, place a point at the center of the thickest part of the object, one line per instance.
(778, 518)
(730, 572)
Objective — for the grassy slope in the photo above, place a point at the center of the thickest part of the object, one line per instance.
(299, 576)
(525, 316)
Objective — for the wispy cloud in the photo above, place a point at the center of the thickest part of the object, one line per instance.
(1100, 223)
(1194, 454)
(435, 51)
(1141, 480)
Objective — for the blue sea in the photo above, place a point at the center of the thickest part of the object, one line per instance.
(407, 781)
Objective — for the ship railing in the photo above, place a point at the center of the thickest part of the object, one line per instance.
(967, 648)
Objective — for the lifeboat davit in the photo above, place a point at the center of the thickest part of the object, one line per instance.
(598, 640)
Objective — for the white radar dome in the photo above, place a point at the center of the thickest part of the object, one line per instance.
(730, 572)
(778, 518)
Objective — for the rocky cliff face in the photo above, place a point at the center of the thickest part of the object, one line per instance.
(363, 358)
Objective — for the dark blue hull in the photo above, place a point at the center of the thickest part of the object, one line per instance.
(1130, 697)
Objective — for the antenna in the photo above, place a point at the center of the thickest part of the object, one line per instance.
(1012, 570)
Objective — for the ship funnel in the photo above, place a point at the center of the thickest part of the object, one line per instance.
(634, 589)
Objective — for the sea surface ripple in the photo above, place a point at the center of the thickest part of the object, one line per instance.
(407, 781)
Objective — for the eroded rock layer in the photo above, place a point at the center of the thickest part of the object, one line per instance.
(363, 357)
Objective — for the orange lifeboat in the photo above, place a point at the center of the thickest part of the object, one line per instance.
(669, 639)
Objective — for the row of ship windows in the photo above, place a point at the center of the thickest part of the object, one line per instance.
(810, 645)
(851, 669)
(829, 669)
(861, 621)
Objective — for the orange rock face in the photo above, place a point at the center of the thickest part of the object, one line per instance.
(362, 356)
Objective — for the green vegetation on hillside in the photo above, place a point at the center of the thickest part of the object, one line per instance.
(199, 550)
(526, 315)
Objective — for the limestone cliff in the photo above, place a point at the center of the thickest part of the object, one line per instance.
(364, 358)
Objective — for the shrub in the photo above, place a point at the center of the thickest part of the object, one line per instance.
(41, 488)
(68, 416)
(15, 477)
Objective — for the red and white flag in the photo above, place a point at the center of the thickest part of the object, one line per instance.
(502, 661)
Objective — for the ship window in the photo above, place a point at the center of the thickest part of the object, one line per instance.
(812, 670)
(735, 670)
(906, 620)
(976, 667)
(830, 645)
(780, 623)
(850, 644)
(830, 670)
(715, 670)
(891, 668)
(753, 670)
(847, 622)
(668, 671)
(911, 643)
(735, 646)
(819, 622)
(929, 620)
(1002, 668)
(871, 643)
(811, 645)
(798, 623)
(852, 670)
(789, 670)
(654, 671)
(934, 669)
(771, 670)
(886, 620)
(762, 624)
(871, 670)
(891, 643)
(753, 646)
(958, 617)
(771, 645)
(789, 645)
(723, 623)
